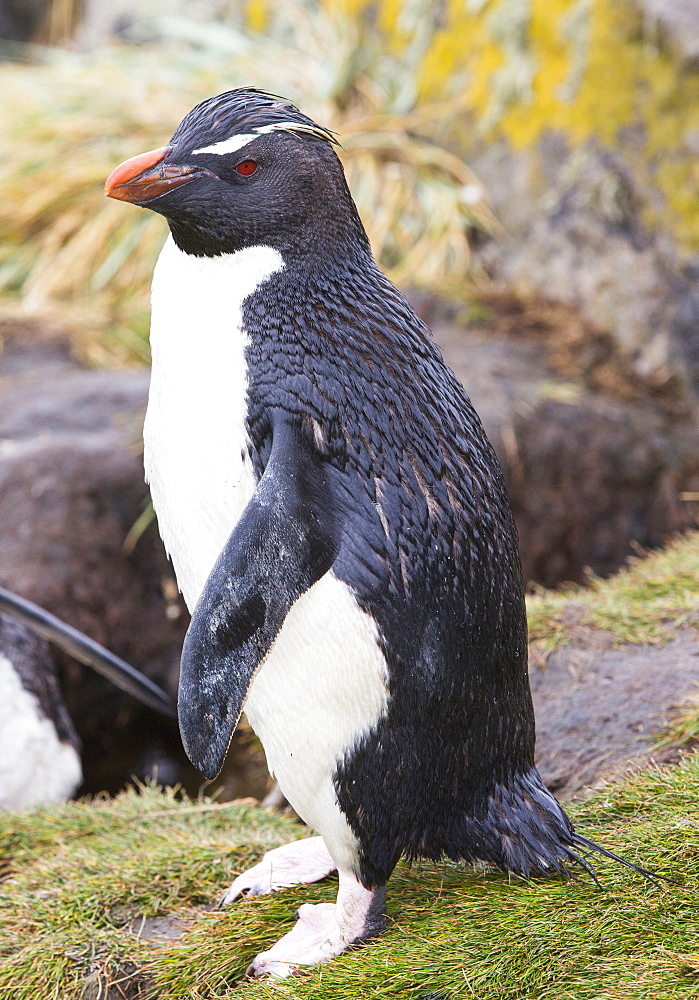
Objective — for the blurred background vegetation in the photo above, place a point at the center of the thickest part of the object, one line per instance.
(75, 113)
(417, 90)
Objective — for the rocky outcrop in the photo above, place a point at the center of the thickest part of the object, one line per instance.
(678, 25)
(600, 707)
(579, 119)
(71, 491)
(71, 488)
(594, 468)
(577, 232)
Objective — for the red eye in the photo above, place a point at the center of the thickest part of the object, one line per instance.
(246, 168)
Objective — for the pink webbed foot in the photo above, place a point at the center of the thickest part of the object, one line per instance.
(298, 863)
(324, 930)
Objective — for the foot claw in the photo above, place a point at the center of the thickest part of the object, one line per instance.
(240, 889)
(278, 970)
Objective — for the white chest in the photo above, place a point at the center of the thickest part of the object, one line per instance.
(324, 681)
(195, 439)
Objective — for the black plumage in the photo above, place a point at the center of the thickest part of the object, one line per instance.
(429, 549)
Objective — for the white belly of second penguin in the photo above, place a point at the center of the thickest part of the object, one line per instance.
(324, 681)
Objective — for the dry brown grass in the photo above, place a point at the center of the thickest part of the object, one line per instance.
(69, 119)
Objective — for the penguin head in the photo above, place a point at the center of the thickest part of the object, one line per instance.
(245, 169)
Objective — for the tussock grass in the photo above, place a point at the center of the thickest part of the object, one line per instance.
(683, 730)
(79, 878)
(68, 121)
(645, 602)
(76, 875)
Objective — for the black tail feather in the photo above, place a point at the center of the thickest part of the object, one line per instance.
(591, 847)
(525, 831)
(581, 863)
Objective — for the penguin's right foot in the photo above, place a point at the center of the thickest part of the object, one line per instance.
(293, 864)
(324, 930)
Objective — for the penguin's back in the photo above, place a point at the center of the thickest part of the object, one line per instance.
(429, 552)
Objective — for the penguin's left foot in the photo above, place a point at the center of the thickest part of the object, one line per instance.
(324, 930)
(298, 863)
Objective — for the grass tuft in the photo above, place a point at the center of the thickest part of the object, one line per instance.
(646, 602)
(81, 879)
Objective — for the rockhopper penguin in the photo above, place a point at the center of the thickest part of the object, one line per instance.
(338, 525)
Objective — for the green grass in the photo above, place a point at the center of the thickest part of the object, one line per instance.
(80, 875)
(78, 878)
(646, 602)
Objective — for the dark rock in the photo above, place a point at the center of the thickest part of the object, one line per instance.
(594, 479)
(71, 490)
(599, 708)
(574, 220)
(20, 19)
(678, 24)
(590, 476)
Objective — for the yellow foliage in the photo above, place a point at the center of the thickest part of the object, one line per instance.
(398, 78)
(585, 68)
(65, 247)
(257, 13)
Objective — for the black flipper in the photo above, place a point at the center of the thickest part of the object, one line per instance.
(286, 539)
(87, 651)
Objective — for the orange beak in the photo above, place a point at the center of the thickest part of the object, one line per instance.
(145, 176)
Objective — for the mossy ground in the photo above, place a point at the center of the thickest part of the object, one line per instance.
(77, 881)
(646, 602)
(78, 878)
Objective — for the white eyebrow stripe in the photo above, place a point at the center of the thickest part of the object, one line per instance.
(292, 126)
(227, 145)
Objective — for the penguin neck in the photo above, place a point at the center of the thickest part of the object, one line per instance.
(333, 232)
(197, 304)
(324, 295)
